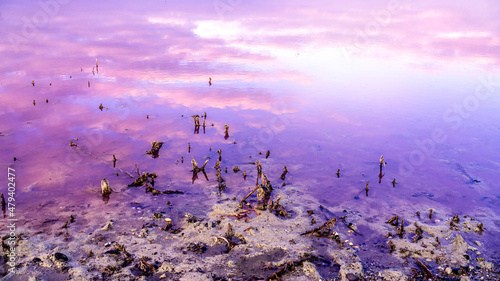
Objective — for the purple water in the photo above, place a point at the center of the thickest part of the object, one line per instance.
(321, 86)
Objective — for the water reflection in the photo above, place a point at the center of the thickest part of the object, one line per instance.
(320, 88)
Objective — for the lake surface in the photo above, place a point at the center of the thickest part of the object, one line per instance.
(321, 86)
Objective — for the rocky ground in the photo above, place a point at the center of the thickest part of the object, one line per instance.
(303, 241)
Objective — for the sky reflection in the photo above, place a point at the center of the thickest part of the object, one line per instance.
(322, 86)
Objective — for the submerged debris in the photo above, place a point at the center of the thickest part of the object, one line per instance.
(401, 231)
(221, 185)
(426, 272)
(168, 224)
(236, 169)
(418, 233)
(392, 246)
(145, 266)
(243, 201)
(197, 247)
(173, 192)
(480, 228)
(326, 230)
(192, 218)
(278, 209)
(353, 228)
(123, 255)
(290, 266)
(285, 171)
(197, 169)
(114, 161)
(147, 180)
(394, 221)
(264, 191)
(155, 149)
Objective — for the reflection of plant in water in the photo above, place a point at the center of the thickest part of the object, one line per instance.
(197, 169)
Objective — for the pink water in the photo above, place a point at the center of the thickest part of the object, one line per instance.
(321, 86)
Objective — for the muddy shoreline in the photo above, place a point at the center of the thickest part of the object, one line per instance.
(129, 242)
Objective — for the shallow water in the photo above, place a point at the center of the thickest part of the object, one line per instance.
(298, 80)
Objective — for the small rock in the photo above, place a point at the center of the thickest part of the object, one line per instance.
(485, 264)
(393, 275)
(108, 226)
(36, 260)
(478, 243)
(448, 270)
(352, 277)
(163, 276)
(311, 271)
(166, 267)
(61, 257)
(112, 252)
